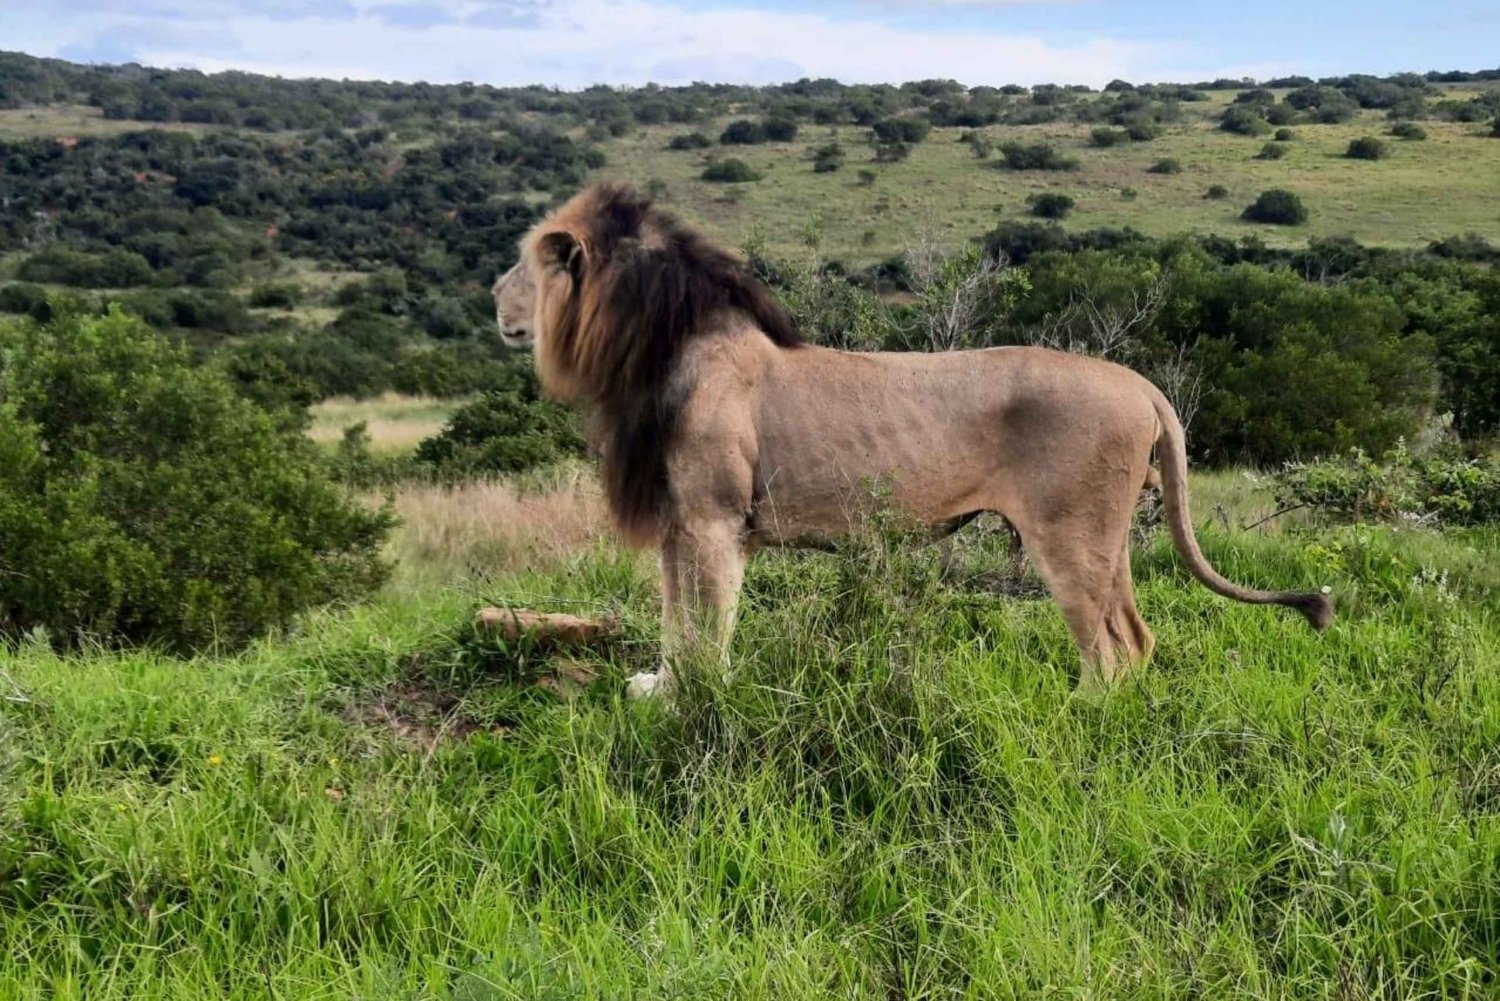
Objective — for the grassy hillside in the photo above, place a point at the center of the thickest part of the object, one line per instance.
(899, 794)
(1426, 190)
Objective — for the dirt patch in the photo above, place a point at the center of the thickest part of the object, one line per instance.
(420, 715)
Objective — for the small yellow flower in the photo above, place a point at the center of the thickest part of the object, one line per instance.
(215, 761)
(333, 762)
(121, 808)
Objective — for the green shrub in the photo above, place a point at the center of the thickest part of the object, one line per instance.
(1105, 138)
(1409, 131)
(1216, 192)
(690, 140)
(62, 266)
(1271, 151)
(1276, 207)
(729, 171)
(828, 158)
(150, 502)
(506, 430)
(26, 299)
(780, 129)
(1039, 156)
(1447, 489)
(1243, 120)
(1467, 247)
(1367, 148)
(1050, 205)
(1142, 131)
(743, 132)
(1165, 166)
(1280, 114)
(905, 129)
(867, 177)
(892, 152)
(1284, 135)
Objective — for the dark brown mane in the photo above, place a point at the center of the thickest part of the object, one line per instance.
(642, 286)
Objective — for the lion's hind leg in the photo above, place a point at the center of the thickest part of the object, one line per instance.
(1083, 555)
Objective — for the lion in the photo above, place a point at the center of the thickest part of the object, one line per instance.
(720, 431)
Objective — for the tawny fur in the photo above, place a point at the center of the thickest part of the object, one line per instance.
(722, 433)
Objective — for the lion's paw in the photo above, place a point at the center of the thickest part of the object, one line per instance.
(645, 685)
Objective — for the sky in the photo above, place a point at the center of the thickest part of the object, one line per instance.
(575, 43)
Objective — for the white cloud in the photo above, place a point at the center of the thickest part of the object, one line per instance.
(573, 43)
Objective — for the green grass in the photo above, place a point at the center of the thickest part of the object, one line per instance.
(898, 794)
(1423, 192)
(75, 120)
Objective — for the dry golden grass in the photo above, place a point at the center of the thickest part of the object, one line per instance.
(490, 527)
(395, 423)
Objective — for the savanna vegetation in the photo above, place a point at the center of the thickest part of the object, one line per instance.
(263, 457)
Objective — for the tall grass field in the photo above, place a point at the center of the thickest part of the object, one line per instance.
(897, 793)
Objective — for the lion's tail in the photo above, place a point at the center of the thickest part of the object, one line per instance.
(1171, 450)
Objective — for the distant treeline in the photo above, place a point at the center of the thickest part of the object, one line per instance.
(246, 100)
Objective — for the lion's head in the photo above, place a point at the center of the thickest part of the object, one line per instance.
(608, 291)
(515, 306)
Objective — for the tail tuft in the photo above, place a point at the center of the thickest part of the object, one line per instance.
(1317, 608)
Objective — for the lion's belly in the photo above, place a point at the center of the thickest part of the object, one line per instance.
(920, 437)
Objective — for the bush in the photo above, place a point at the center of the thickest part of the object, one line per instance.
(1284, 135)
(149, 502)
(1039, 156)
(1216, 192)
(743, 132)
(1409, 131)
(61, 266)
(1165, 166)
(729, 171)
(781, 130)
(1105, 138)
(26, 299)
(1468, 247)
(1050, 205)
(504, 431)
(1367, 148)
(1276, 207)
(866, 177)
(1271, 151)
(1243, 120)
(1447, 489)
(1495, 128)
(906, 129)
(690, 140)
(1141, 131)
(828, 158)
(891, 152)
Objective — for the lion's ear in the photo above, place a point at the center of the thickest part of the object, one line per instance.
(562, 250)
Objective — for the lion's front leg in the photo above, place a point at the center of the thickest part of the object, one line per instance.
(702, 567)
(647, 684)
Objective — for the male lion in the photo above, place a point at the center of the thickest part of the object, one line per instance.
(720, 431)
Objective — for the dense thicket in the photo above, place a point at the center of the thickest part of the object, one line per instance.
(143, 500)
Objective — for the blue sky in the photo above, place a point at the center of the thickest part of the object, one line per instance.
(573, 43)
